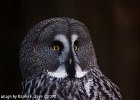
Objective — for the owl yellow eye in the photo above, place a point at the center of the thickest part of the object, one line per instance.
(75, 47)
(56, 48)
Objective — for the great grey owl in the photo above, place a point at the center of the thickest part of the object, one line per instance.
(58, 61)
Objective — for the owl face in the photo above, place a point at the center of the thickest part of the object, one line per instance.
(59, 47)
(57, 58)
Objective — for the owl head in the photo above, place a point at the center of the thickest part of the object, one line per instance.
(58, 47)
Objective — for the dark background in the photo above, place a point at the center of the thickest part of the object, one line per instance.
(113, 24)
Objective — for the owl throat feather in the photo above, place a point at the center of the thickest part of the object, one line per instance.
(93, 86)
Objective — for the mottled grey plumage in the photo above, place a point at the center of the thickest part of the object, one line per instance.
(57, 58)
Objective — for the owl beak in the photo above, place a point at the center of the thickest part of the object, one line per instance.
(70, 61)
(70, 67)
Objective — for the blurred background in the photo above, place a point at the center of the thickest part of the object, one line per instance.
(114, 26)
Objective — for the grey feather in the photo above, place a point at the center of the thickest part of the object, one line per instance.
(57, 58)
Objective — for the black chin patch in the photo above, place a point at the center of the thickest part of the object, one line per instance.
(71, 70)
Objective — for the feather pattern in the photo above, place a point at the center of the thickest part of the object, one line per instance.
(92, 86)
(58, 62)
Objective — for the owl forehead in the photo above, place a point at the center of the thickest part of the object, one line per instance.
(65, 27)
(65, 39)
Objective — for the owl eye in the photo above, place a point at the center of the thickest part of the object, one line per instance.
(76, 45)
(56, 48)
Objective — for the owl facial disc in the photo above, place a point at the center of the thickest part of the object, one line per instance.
(68, 62)
(57, 60)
